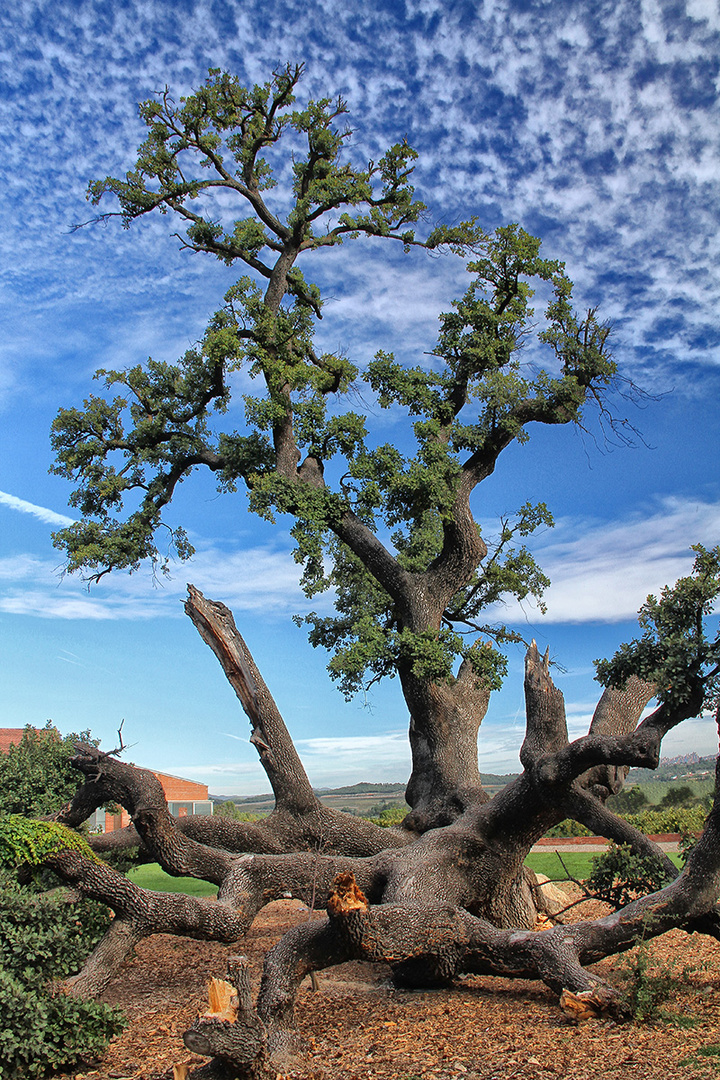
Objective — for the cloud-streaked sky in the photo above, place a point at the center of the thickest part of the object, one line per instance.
(595, 125)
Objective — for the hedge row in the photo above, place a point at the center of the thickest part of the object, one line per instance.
(690, 819)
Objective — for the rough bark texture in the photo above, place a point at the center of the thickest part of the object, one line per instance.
(444, 725)
(433, 904)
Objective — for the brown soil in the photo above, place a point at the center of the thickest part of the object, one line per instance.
(357, 1027)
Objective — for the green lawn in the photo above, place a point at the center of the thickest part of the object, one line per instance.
(546, 862)
(578, 863)
(152, 877)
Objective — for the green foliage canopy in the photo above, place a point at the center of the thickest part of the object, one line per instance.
(395, 520)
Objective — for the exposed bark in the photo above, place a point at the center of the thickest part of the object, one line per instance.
(279, 759)
(299, 819)
(444, 725)
(617, 713)
(448, 941)
(235, 1038)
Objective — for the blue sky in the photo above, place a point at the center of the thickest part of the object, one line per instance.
(595, 125)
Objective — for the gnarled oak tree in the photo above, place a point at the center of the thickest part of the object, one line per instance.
(391, 528)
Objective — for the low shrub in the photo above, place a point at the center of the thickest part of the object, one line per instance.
(44, 937)
(618, 876)
(648, 984)
(42, 1032)
(676, 819)
(568, 827)
(388, 815)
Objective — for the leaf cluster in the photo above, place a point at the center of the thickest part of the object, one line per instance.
(619, 876)
(676, 652)
(36, 776)
(223, 138)
(367, 638)
(23, 840)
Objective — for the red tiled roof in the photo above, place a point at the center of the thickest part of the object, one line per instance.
(10, 736)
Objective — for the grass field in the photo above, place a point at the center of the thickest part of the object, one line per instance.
(578, 863)
(546, 862)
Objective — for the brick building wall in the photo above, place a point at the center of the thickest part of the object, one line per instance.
(184, 797)
(10, 736)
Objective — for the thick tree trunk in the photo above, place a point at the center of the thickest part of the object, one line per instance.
(444, 725)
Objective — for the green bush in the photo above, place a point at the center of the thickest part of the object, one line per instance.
(388, 814)
(43, 937)
(618, 876)
(648, 985)
(628, 801)
(568, 827)
(25, 841)
(36, 777)
(678, 796)
(675, 819)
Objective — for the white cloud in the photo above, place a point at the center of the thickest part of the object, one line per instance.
(262, 581)
(332, 762)
(699, 734)
(569, 94)
(600, 572)
(49, 517)
(603, 571)
(329, 762)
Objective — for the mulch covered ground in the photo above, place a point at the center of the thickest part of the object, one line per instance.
(357, 1027)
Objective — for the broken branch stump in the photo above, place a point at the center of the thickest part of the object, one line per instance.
(230, 1031)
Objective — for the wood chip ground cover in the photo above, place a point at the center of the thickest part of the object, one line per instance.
(358, 1027)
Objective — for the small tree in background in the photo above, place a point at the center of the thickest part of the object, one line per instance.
(628, 801)
(36, 775)
(678, 796)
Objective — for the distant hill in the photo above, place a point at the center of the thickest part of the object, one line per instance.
(674, 768)
(365, 787)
